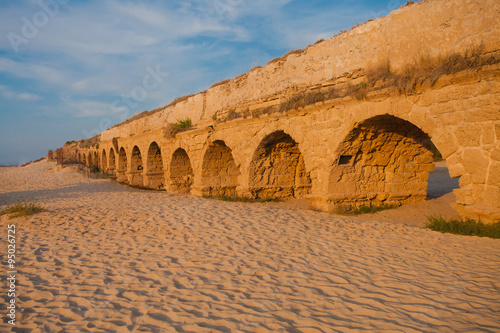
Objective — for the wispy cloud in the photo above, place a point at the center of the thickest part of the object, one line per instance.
(93, 52)
(6, 93)
(31, 70)
(86, 108)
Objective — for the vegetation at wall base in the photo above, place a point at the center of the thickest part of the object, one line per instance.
(364, 209)
(406, 81)
(465, 227)
(23, 209)
(240, 199)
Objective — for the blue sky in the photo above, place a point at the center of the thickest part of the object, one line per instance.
(71, 68)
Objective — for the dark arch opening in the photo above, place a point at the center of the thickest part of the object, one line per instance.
(90, 162)
(84, 159)
(96, 159)
(122, 165)
(277, 169)
(136, 168)
(181, 172)
(219, 171)
(384, 160)
(155, 175)
(104, 160)
(112, 160)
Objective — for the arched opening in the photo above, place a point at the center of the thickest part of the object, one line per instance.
(96, 159)
(277, 169)
(155, 175)
(136, 168)
(181, 172)
(219, 171)
(122, 165)
(104, 160)
(112, 161)
(384, 160)
(90, 161)
(84, 159)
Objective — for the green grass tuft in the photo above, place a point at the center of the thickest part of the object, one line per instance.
(22, 209)
(350, 210)
(182, 125)
(460, 227)
(240, 199)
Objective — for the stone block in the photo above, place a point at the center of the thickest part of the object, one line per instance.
(488, 134)
(481, 115)
(476, 164)
(395, 188)
(465, 180)
(428, 167)
(446, 142)
(494, 174)
(497, 131)
(495, 154)
(469, 135)
(455, 165)
(489, 196)
(464, 196)
(478, 212)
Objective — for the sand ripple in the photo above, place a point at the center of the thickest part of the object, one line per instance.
(106, 258)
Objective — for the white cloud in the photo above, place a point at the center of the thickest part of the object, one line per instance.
(101, 48)
(7, 93)
(86, 108)
(31, 71)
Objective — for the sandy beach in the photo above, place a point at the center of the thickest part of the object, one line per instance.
(105, 257)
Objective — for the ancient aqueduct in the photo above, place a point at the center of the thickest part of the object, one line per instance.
(373, 145)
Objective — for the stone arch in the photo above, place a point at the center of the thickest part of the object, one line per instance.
(383, 160)
(181, 172)
(90, 161)
(122, 165)
(277, 169)
(219, 171)
(104, 160)
(136, 168)
(155, 174)
(83, 159)
(96, 159)
(112, 160)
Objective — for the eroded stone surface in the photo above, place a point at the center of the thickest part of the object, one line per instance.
(373, 148)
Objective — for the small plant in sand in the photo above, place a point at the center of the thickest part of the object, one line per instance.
(364, 209)
(229, 198)
(465, 227)
(243, 199)
(22, 209)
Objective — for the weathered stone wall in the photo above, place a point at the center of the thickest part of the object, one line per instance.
(384, 159)
(277, 169)
(430, 28)
(181, 172)
(155, 174)
(219, 171)
(375, 148)
(390, 138)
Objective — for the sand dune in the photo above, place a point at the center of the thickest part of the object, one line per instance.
(108, 258)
